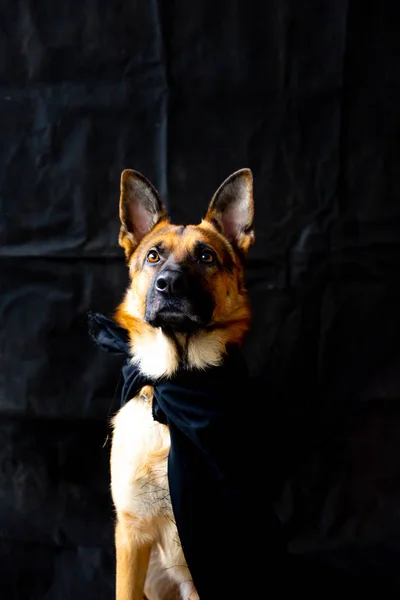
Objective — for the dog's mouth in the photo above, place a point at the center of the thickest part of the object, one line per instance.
(175, 315)
(175, 321)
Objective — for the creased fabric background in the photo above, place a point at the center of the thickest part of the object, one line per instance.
(306, 94)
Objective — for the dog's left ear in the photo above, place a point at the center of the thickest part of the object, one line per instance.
(231, 210)
(140, 209)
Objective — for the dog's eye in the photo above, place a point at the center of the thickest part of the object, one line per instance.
(207, 257)
(153, 256)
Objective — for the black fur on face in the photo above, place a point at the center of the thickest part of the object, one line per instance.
(178, 299)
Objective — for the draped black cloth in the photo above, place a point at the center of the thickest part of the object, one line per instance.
(210, 417)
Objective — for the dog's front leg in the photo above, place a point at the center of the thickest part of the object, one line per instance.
(133, 556)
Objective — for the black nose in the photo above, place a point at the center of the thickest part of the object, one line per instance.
(170, 283)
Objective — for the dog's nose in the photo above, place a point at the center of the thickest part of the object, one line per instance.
(170, 283)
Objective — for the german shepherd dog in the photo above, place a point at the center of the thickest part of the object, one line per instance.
(186, 302)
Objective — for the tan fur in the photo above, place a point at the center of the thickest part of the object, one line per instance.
(150, 560)
(145, 522)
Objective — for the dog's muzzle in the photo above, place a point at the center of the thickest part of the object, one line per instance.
(178, 302)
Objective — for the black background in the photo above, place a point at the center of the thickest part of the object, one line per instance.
(306, 94)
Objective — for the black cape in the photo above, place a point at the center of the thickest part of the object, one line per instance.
(211, 417)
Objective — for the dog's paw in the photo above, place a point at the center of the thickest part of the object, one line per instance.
(188, 591)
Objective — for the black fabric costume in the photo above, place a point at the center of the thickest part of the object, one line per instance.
(211, 422)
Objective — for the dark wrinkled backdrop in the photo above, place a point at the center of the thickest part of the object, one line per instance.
(307, 94)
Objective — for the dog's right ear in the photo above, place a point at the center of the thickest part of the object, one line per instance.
(140, 209)
(232, 209)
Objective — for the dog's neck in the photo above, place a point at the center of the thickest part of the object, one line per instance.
(158, 354)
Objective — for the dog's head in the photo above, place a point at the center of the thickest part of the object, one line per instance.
(187, 299)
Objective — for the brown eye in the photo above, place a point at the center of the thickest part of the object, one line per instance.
(153, 257)
(207, 257)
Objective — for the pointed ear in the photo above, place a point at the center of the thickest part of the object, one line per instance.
(140, 209)
(232, 209)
